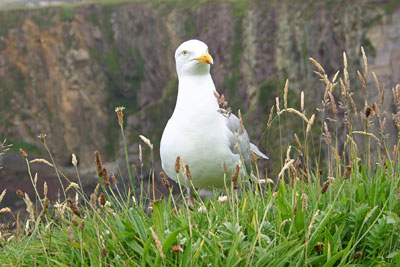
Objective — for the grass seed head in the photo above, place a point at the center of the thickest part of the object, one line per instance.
(357, 255)
(99, 164)
(106, 178)
(102, 199)
(325, 187)
(113, 179)
(158, 242)
(319, 246)
(235, 176)
(23, 153)
(120, 114)
(146, 141)
(188, 173)
(74, 160)
(20, 193)
(177, 249)
(42, 138)
(178, 164)
(347, 172)
(164, 179)
(75, 210)
(3, 194)
(368, 111)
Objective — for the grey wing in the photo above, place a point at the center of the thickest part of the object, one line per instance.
(239, 143)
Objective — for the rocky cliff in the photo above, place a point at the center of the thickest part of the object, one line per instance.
(64, 69)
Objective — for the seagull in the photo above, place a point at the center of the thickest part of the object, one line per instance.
(212, 143)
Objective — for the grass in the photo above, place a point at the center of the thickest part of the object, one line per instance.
(344, 214)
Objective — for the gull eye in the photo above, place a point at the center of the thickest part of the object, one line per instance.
(185, 53)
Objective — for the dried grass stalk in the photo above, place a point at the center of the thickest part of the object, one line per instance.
(158, 242)
(285, 94)
(44, 161)
(365, 62)
(378, 87)
(3, 194)
(295, 111)
(235, 176)
(316, 64)
(285, 167)
(270, 116)
(146, 141)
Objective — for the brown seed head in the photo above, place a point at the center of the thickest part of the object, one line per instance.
(235, 176)
(188, 173)
(42, 138)
(46, 204)
(74, 222)
(357, 255)
(81, 225)
(164, 179)
(23, 153)
(106, 179)
(104, 251)
(177, 249)
(178, 164)
(99, 164)
(102, 199)
(20, 194)
(347, 172)
(120, 114)
(113, 179)
(368, 111)
(319, 246)
(325, 186)
(74, 208)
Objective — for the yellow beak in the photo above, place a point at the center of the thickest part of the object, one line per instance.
(205, 58)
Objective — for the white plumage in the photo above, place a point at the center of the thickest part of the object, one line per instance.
(204, 138)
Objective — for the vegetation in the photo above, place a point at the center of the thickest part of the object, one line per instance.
(344, 214)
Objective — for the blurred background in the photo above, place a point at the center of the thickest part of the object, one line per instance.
(65, 66)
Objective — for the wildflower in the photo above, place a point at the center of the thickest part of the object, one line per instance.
(222, 199)
(202, 209)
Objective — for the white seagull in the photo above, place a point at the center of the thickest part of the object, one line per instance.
(211, 143)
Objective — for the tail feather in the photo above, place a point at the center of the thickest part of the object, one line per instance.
(254, 148)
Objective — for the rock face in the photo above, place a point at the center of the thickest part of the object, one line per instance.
(64, 69)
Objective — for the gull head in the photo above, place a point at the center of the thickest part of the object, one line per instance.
(192, 58)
